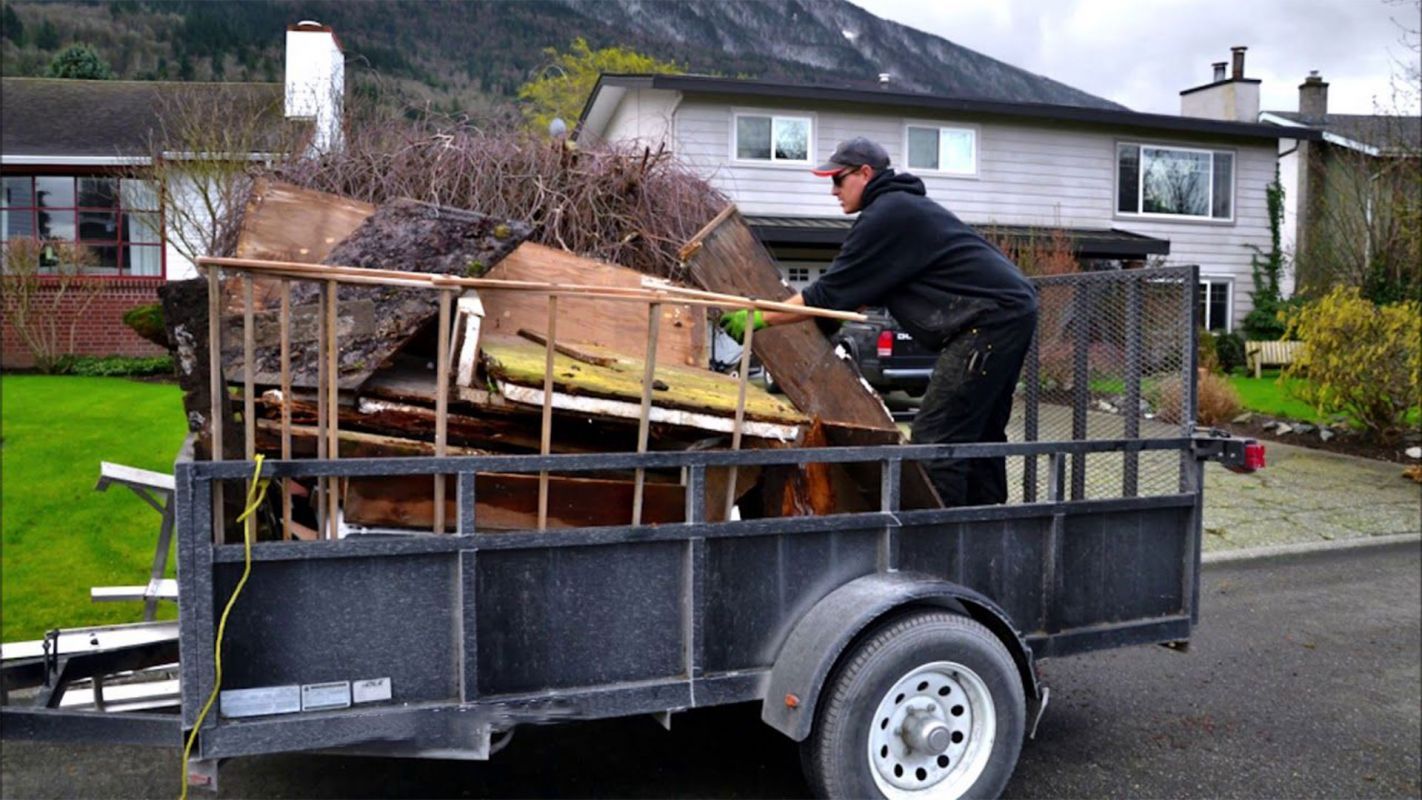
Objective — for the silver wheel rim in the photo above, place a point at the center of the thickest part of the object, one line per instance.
(909, 726)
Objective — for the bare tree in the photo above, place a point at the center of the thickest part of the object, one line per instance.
(45, 294)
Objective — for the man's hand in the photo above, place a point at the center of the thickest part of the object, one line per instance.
(734, 323)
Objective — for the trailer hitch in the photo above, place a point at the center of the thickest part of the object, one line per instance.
(1234, 453)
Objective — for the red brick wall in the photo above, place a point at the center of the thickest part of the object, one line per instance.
(101, 332)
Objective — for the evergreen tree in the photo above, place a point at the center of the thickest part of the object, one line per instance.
(79, 62)
(47, 38)
(11, 27)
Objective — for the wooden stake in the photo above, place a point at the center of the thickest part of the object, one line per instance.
(333, 389)
(285, 324)
(740, 410)
(321, 412)
(546, 441)
(217, 386)
(654, 318)
(249, 402)
(441, 402)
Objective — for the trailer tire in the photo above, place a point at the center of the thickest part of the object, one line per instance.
(928, 706)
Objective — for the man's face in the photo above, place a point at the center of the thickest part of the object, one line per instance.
(847, 186)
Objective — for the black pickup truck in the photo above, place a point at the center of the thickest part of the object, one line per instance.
(886, 355)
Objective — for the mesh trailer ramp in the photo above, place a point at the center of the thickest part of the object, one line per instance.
(897, 645)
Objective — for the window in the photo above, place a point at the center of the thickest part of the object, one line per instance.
(117, 219)
(801, 275)
(773, 138)
(1214, 298)
(950, 150)
(1172, 181)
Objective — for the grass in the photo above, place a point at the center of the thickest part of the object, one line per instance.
(1269, 396)
(58, 536)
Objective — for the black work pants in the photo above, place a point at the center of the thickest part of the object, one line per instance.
(969, 399)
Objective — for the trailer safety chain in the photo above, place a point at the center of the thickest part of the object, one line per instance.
(256, 493)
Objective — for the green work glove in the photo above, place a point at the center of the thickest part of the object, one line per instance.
(734, 323)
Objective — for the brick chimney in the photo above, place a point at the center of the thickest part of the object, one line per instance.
(1313, 97)
(316, 82)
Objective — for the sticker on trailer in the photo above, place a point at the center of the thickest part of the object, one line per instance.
(322, 696)
(260, 701)
(370, 691)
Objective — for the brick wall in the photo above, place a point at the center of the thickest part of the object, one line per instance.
(101, 332)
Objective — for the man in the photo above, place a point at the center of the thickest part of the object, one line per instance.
(949, 288)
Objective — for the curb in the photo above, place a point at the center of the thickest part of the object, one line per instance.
(1252, 553)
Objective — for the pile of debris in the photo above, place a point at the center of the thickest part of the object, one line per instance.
(410, 329)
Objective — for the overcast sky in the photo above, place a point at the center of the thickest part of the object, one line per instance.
(1141, 53)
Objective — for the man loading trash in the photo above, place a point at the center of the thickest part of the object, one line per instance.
(946, 285)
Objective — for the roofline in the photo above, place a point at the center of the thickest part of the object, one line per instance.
(1220, 83)
(74, 161)
(1326, 135)
(1142, 245)
(1045, 111)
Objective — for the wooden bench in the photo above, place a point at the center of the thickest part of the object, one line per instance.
(1275, 354)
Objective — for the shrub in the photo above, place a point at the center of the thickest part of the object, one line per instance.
(1358, 358)
(1216, 401)
(102, 366)
(1229, 349)
(1206, 357)
(147, 321)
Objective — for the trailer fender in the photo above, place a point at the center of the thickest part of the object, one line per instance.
(827, 629)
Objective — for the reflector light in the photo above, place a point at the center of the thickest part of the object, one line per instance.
(885, 344)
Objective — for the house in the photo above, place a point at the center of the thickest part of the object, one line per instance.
(76, 166)
(1126, 186)
(1343, 191)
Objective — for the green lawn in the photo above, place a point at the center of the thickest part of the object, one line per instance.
(1269, 396)
(60, 536)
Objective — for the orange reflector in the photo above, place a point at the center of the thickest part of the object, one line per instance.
(791, 701)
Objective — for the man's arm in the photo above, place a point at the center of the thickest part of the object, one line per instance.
(786, 317)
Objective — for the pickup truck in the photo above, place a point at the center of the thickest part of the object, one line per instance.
(885, 355)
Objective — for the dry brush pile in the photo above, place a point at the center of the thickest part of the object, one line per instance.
(631, 206)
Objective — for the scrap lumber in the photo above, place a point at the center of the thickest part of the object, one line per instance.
(285, 222)
(375, 321)
(185, 315)
(725, 256)
(618, 325)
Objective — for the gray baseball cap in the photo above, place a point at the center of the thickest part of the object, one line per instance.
(851, 153)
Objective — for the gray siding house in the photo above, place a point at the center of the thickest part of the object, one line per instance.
(1128, 187)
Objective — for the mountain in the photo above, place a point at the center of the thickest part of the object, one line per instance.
(471, 57)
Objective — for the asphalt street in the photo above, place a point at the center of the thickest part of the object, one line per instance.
(1303, 680)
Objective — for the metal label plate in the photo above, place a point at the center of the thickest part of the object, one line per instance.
(321, 696)
(370, 691)
(260, 701)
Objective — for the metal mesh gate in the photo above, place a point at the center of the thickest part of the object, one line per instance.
(1113, 358)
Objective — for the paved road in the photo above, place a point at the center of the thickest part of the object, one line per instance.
(1302, 681)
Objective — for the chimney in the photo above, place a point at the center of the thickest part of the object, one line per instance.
(884, 78)
(1231, 99)
(1238, 52)
(1313, 97)
(1219, 70)
(316, 82)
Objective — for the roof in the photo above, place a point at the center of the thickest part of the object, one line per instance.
(1086, 242)
(55, 119)
(1383, 133)
(596, 113)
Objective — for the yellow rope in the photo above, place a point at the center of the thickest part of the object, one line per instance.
(256, 493)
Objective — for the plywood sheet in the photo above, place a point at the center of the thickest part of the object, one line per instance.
(619, 325)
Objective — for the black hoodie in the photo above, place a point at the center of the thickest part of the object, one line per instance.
(932, 272)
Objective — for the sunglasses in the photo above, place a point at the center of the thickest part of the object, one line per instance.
(838, 177)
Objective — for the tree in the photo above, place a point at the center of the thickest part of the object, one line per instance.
(1263, 320)
(79, 62)
(44, 296)
(47, 38)
(11, 27)
(563, 86)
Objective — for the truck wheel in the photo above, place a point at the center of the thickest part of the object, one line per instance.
(770, 384)
(929, 706)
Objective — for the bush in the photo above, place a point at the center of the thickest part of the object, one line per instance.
(147, 321)
(1360, 359)
(1206, 357)
(96, 366)
(1229, 349)
(1216, 401)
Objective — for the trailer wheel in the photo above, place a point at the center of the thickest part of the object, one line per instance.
(929, 706)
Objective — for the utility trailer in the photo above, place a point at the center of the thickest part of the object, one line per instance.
(898, 646)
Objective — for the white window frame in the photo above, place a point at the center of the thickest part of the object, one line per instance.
(972, 130)
(1207, 281)
(774, 118)
(1140, 183)
(815, 269)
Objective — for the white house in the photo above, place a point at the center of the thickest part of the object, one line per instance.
(1127, 186)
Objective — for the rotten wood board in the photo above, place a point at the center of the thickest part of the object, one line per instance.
(725, 256)
(353, 444)
(374, 322)
(517, 365)
(185, 315)
(619, 325)
(284, 222)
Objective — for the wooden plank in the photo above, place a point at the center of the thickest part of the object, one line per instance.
(441, 401)
(615, 324)
(605, 408)
(725, 256)
(572, 352)
(511, 502)
(468, 324)
(352, 444)
(649, 375)
(545, 439)
(285, 323)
